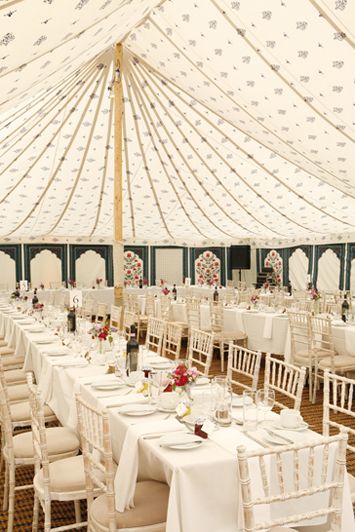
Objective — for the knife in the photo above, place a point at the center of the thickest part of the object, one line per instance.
(282, 438)
(260, 442)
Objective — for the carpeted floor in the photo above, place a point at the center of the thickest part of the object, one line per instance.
(63, 513)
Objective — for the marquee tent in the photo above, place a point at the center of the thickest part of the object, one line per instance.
(238, 120)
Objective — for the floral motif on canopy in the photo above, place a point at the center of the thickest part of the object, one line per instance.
(133, 268)
(274, 260)
(207, 269)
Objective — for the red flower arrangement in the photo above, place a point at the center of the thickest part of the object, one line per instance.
(38, 306)
(72, 283)
(166, 291)
(98, 281)
(182, 376)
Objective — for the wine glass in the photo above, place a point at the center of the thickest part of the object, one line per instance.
(265, 400)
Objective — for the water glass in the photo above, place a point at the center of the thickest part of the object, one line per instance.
(265, 400)
(250, 411)
(223, 409)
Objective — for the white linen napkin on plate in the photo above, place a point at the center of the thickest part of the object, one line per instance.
(267, 333)
(126, 475)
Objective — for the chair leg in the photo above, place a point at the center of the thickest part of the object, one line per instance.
(35, 513)
(77, 511)
(6, 489)
(47, 516)
(11, 504)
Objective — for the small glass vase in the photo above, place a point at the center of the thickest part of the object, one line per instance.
(184, 393)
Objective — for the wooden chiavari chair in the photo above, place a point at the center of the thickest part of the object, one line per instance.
(61, 480)
(338, 398)
(243, 364)
(285, 379)
(155, 334)
(325, 483)
(172, 340)
(200, 350)
(150, 498)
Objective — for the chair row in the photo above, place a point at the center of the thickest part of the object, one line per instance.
(312, 346)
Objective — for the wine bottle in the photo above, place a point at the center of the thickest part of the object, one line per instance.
(174, 291)
(345, 309)
(71, 320)
(35, 298)
(141, 283)
(132, 351)
(215, 295)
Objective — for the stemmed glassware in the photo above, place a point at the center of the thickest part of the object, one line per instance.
(265, 400)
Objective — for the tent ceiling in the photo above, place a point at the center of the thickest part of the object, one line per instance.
(238, 124)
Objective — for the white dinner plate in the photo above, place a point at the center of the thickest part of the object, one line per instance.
(167, 410)
(36, 329)
(137, 410)
(45, 341)
(277, 426)
(57, 354)
(182, 442)
(200, 381)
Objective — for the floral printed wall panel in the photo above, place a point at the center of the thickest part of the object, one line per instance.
(274, 260)
(133, 268)
(207, 269)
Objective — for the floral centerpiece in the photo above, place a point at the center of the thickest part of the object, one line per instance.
(98, 281)
(38, 306)
(72, 283)
(101, 333)
(182, 378)
(41, 286)
(254, 299)
(165, 291)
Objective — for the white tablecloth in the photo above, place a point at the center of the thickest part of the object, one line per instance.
(200, 480)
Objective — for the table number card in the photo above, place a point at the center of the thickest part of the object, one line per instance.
(75, 298)
(187, 281)
(24, 285)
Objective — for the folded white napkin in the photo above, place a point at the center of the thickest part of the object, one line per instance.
(126, 475)
(267, 333)
(122, 398)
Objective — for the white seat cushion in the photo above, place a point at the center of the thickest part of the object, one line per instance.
(340, 361)
(150, 507)
(66, 475)
(60, 440)
(22, 412)
(14, 376)
(17, 392)
(6, 351)
(10, 360)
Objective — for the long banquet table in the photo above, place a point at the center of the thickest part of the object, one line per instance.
(204, 488)
(54, 296)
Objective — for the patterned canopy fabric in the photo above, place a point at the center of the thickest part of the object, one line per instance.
(238, 122)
